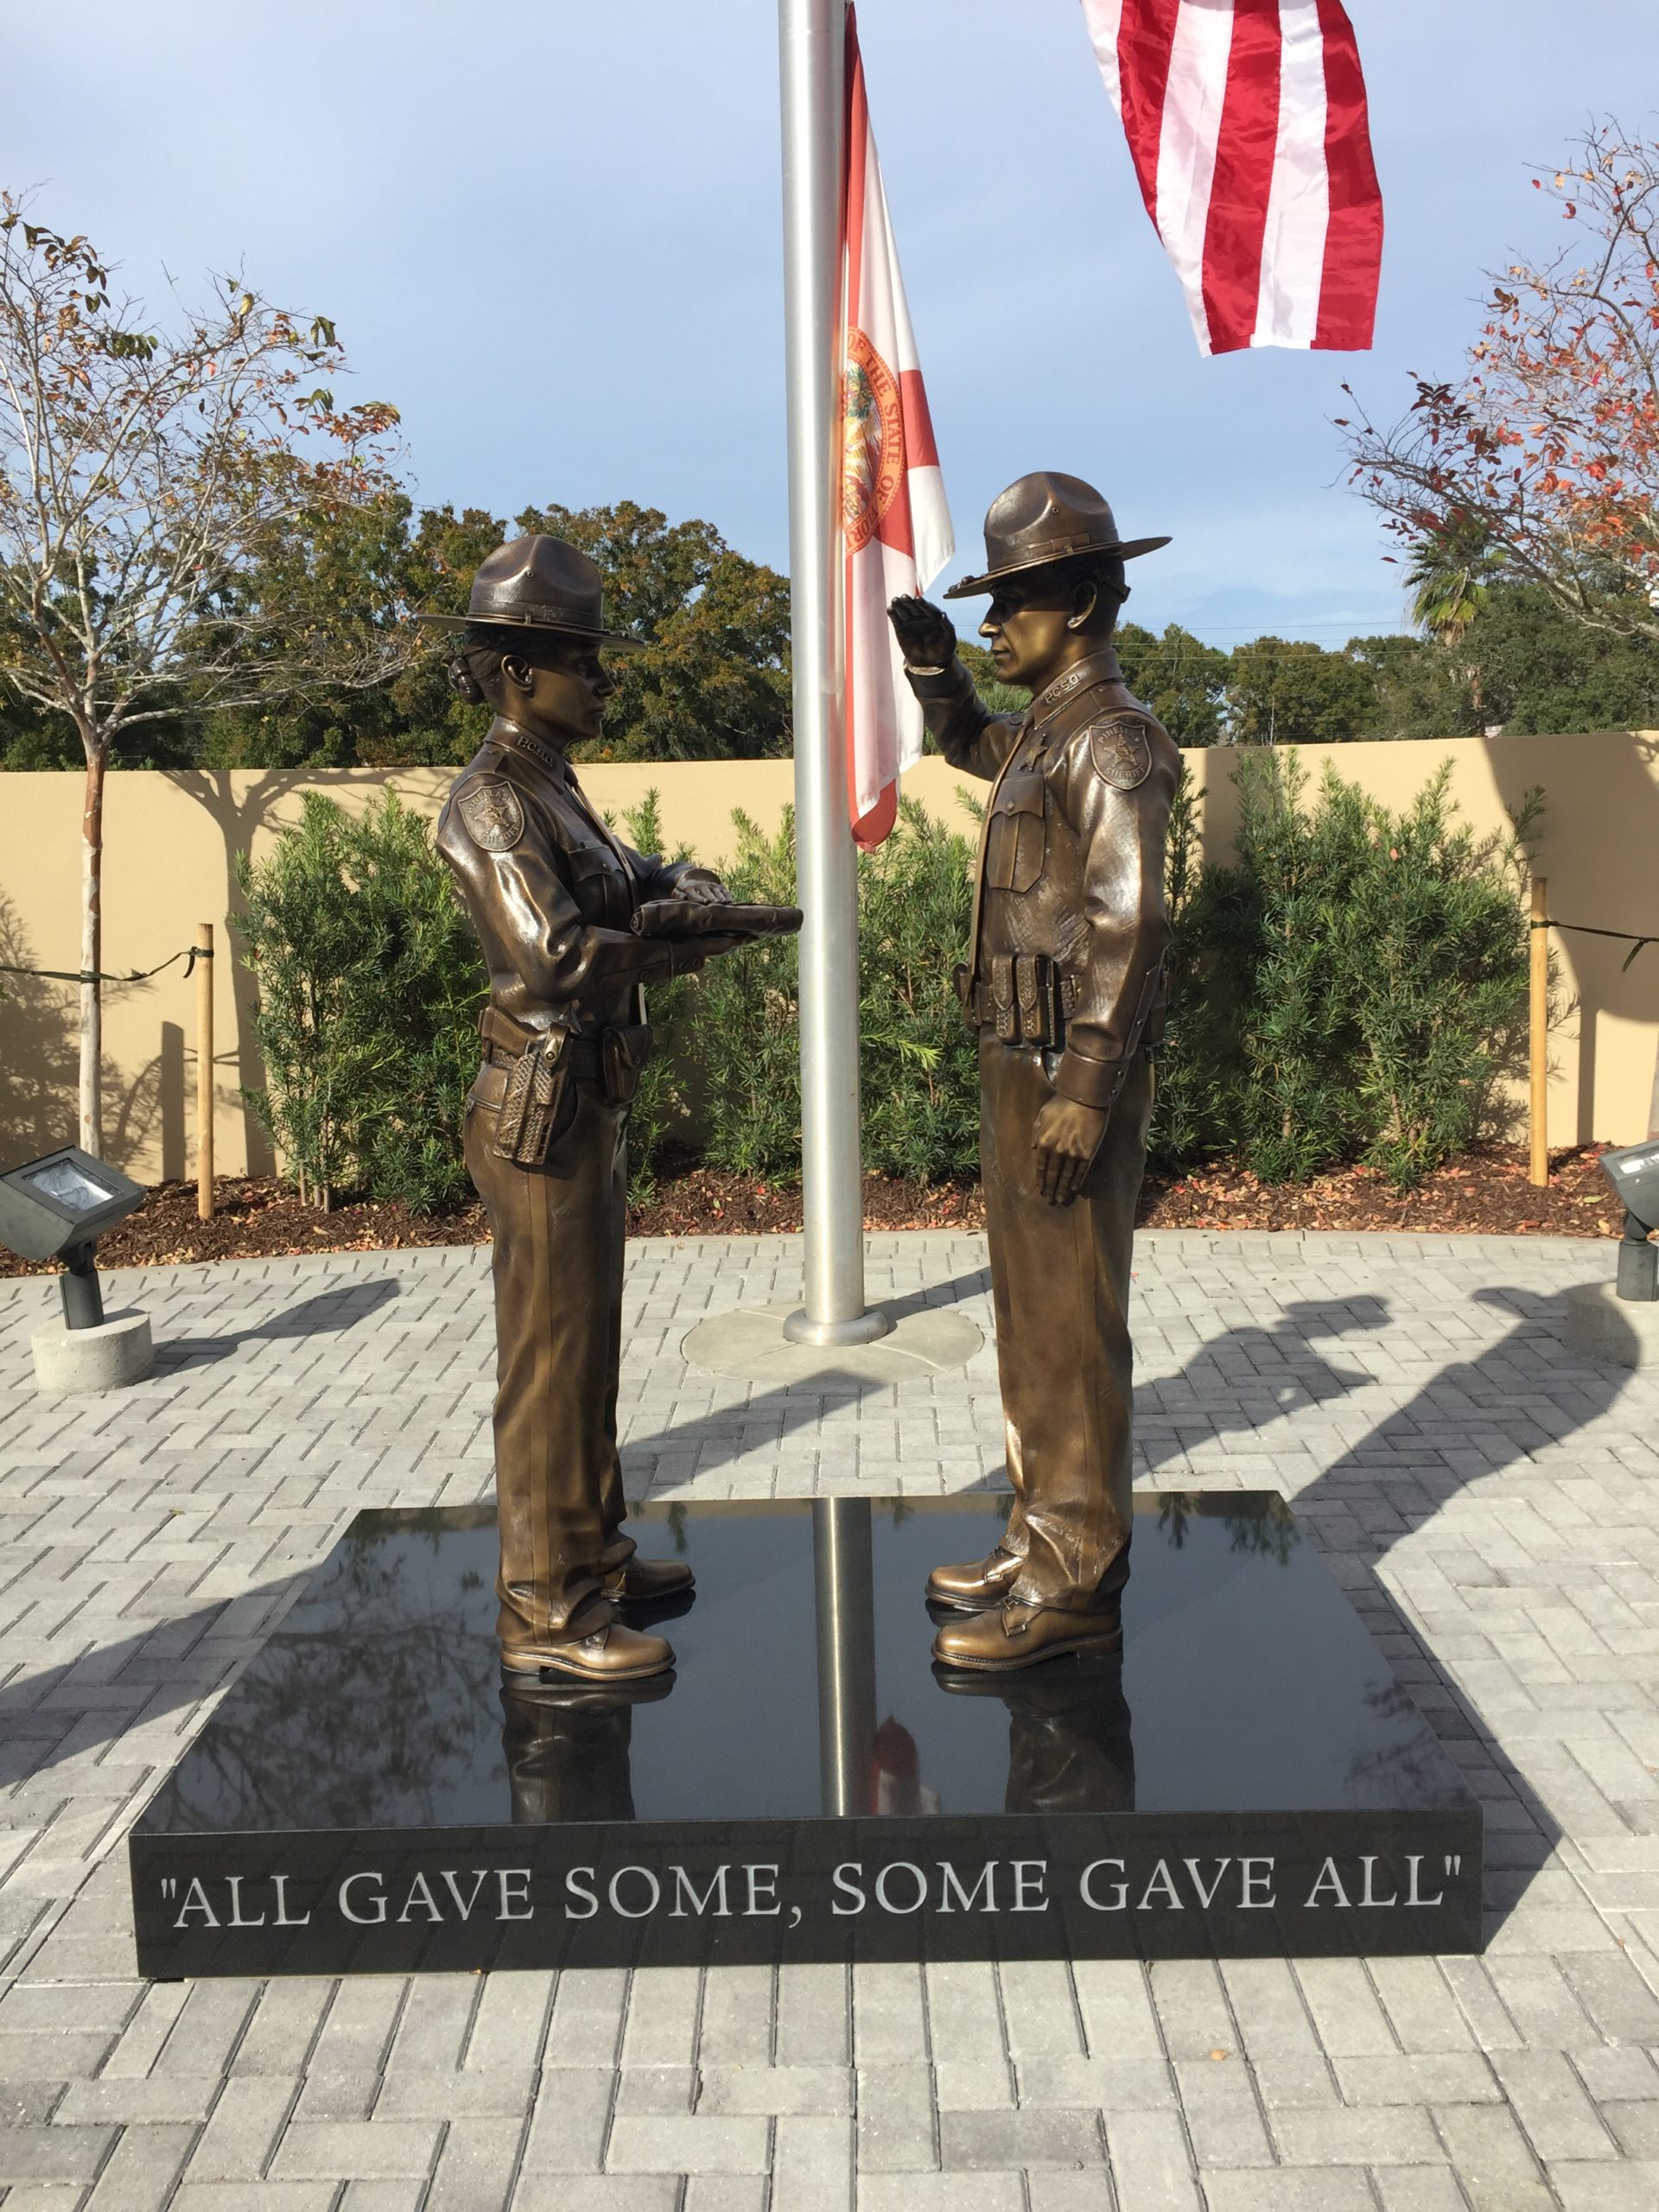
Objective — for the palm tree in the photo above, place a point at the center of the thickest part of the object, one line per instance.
(1450, 579)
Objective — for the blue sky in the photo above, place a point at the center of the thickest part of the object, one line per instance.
(549, 230)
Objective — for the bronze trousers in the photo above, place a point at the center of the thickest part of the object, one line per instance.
(557, 1263)
(1061, 1284)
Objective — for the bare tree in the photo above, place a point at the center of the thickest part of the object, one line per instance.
(148, 481)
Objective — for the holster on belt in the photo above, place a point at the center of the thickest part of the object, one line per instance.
(528, 1118)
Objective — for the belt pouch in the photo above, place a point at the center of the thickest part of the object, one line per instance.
(1003, 1008)
(622, 1056)
(530, 1109)
(1031, 979)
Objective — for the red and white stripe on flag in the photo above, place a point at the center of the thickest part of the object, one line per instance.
(896, 530)
(1248, 125)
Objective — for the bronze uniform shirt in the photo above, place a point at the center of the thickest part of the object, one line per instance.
(550, 891)
(1072, 860)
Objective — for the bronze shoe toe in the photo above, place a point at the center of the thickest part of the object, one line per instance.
(639, 1580)
(976, 1585)
(1014, 1636)
(612, 1653)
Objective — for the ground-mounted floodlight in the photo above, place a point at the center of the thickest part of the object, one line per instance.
(1634, 1174)
(56, 1209)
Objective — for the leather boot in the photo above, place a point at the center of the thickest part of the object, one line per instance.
(611, 1654)
(974, 1587)
(643, 1580)
(1014, 1636)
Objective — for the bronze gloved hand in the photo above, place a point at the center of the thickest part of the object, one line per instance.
(926, 636)
(1066, 1138)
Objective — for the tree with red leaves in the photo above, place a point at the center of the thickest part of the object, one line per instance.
(1545, 454)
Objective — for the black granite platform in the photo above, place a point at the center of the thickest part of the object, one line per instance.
(1249, 1778)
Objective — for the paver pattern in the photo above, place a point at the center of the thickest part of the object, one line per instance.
(1491, 1503)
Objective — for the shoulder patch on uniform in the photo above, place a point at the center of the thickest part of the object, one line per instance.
(493, 813)
(1122, 750)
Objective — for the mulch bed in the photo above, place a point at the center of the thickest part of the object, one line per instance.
(1485, 1193)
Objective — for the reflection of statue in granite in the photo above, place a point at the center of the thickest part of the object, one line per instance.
(573, 924)
(1065, 984)
(1070, 1745)
(569, 1745)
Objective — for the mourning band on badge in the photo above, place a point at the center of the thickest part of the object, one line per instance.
(1122, 752)
(493, 813)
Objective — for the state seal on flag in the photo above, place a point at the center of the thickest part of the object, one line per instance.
(874, 432)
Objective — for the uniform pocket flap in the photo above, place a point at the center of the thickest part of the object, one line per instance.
(1022, 793)
(587, 861)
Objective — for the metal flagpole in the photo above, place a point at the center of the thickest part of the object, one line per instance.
(812, 55)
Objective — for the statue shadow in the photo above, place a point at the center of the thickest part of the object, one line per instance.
(79, 1706)
(1470, 1420)
(329, 1312)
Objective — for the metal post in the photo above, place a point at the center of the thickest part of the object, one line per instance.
(1539, 1117)
(78, 1288)
(812, 46)
(845, 1581)
(205, 1070)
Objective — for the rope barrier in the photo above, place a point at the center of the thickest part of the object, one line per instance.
(1584, 929)
(81, 976)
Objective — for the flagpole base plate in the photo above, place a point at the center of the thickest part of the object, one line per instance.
(862, 1329)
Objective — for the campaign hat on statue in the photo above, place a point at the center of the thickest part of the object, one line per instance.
(539, 583)
(1046, 518)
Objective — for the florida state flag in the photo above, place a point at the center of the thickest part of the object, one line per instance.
(895, 526)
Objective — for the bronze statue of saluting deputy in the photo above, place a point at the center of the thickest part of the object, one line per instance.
(1066, 986)
(573, 924)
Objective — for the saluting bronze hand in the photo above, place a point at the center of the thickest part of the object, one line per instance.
(1066, 1138)
(927, 636)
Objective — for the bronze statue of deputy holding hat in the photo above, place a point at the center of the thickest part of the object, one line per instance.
(1065, 983)
(573, 924)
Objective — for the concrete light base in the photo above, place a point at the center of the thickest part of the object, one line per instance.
(751, 1346)
(68, 1361)
(1600, 1324)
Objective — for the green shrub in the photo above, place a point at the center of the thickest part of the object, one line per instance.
(1356, 978)
(742, 1023)
(661, 1105)
(1349, 988)
(369, 983)
(919, 1080)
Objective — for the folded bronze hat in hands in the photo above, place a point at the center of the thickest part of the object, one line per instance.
(693, 918)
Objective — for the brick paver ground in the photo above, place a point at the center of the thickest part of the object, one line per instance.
(1492, 1504)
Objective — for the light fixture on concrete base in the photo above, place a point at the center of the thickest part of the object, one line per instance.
(56, 1208)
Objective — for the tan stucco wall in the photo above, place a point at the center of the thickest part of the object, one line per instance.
(170, 841)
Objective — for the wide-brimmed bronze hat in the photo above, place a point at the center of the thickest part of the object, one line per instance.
(539, 583)
(1045, 519)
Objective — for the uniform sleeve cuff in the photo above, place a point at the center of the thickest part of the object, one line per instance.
(1091, 1083)
(950, 684)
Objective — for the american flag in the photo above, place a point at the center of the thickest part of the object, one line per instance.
(1247, 123)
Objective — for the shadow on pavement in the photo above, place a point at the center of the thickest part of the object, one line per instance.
(330, 1312)
(1471, 1419)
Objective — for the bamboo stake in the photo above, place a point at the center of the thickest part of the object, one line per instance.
(1539, 1029)
(205, 1070)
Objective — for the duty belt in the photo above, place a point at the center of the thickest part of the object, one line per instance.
(1025, 998)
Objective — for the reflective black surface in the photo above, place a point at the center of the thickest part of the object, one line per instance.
(1248, 1778)
(1248, 1682)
